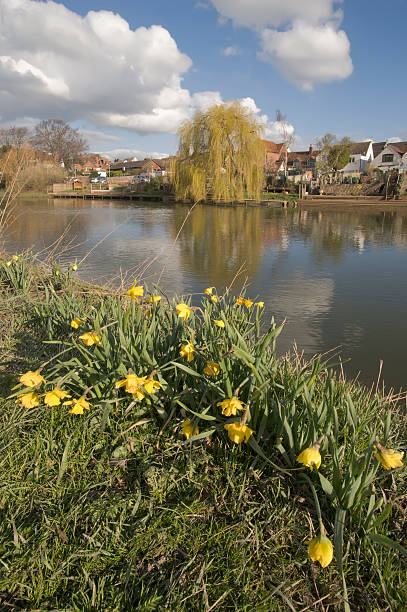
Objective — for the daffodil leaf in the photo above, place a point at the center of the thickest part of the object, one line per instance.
(388, 543)
(326, 485)
(203, 434)
(181, 366)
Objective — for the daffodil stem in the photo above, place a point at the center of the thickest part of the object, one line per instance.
(315, 496)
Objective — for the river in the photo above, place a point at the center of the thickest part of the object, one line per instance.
(337, 275)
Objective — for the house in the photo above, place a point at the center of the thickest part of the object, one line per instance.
(391, 157)
(93, 163)
(301, 165)
(275, 156)
(361, 154)
(145, 166)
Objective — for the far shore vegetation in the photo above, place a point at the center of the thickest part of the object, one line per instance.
(158, 455)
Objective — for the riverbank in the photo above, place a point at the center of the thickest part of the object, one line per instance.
(115, 509)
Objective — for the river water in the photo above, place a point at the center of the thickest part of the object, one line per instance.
(337, 275)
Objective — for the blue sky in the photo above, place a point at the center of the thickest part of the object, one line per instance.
(339, 67)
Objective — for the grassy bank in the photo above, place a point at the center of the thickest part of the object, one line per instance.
(115, 509)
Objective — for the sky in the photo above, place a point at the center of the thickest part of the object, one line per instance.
(127, 77)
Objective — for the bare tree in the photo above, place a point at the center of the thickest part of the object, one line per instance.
(14, 137)
(287, 134)
(56, 138)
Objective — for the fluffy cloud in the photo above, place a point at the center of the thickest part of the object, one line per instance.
(272, 130)
(55, 62)
(302, 39)
(307, 53)
(275, 13)
(229, 51)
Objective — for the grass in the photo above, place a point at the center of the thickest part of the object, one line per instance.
(114, 510)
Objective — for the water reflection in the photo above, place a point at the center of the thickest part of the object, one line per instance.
(338, 276)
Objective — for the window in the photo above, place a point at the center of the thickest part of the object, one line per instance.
(387, 158)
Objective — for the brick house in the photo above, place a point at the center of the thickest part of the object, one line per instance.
(143, 166)
(275, 156)
(93, 163)
(302, 164)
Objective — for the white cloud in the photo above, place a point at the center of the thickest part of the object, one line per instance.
(230, 51)
(301, 38)
(275, 13)
(132, 153)
(393, 139)
(306, 53)
(56, 63)
(202, 5)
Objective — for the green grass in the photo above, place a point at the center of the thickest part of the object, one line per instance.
(291, 197)
(112, 510)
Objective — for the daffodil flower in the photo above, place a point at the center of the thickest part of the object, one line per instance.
(219, 323)
(137, 385)
(8, 263)
(183, 310)
(54, 397)
(187, 350)
(259, 304)
(209, 290)
(154, 299)
(15, 258)
(240, 301)
(91, 338)
(230, 406)
(29, 400)
(75, 323)
(74, 267)
(388, 458)
(188, 429)
(321, 549)
(31, 379)
(238, 433)
(212, 368)
(310, 457)
(135, 292)
(78, 406)
(248, 303)
(214, 299)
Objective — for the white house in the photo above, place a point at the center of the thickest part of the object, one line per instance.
(392, 157)
(360, 156)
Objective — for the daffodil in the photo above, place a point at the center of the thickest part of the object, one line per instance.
(75, 323)
(388, 458)
(15, 258)
(321, 549)
(74, 267)
(214, 299)
(248, 303)
(135, 292)
(240, 301)
(188, 429)
(29, 400)
(91, 338)
(219, 323)
(310, 457)
(8, 263)
(79, 405)
(154, 299)
(209, 290)
(31, 379)
(238, 433)
(259, 304)
(212, 368)
(137, 385)
(54, 397)
(187, 350)
(56, 272)
(230, 406)
(183, 310)
(151, 385)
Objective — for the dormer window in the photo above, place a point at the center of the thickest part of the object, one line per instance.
(387, 157)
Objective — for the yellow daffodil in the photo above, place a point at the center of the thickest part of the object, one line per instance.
(91, 338)
(238, 433)
(209, 290)
(8, 263)
(135, 292)
(151, 385)
(240, 301)
(248, 303)
(29, 400)
(188, 429)
(183, 310)
(212, 368)
(75, 323)
(15, 258)
(310, 457)
(137, 385)
(321, 549)
(79, 406)
(56, 272)
(214, 299)
(154, 299)
(187, 350)
(230, 406)
(31, 379)
(219, 323)
(54, 397)
(260, 304)
(74, 267)
(388, 458)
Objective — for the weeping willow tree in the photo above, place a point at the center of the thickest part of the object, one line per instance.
(221, 155)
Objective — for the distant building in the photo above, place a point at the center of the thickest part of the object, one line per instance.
(93, 162)
(392, 156)
(143, 166)
(361, 155)
(275, 156)
(302, 164)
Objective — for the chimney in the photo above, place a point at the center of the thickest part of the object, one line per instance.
(311, 149)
